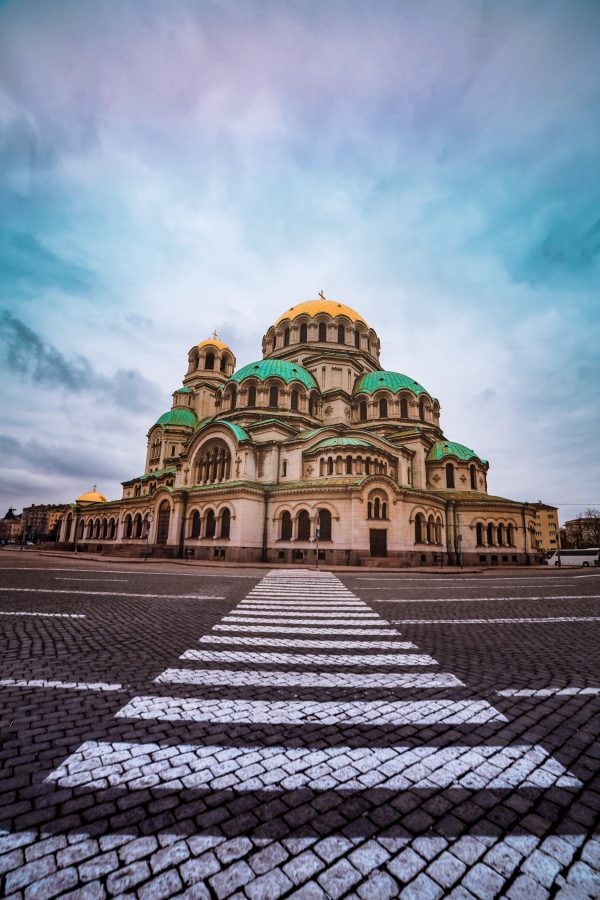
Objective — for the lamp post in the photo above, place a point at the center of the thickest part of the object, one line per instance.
(148, 527)
(317, 536)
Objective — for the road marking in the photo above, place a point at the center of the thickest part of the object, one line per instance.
(25, 590)
(44, 615)
(529, 620)
(548, 692)
(308, 645)
(309, 659)
(142, 572)
(300, 607)
(396, 768)
(282, 629)
(294, 712)
(488, 599)
(292, 613)
(290, 678)
(63, 685)
(313, 620)
(103, 580)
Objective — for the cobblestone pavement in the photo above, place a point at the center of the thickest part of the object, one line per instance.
(261, 734)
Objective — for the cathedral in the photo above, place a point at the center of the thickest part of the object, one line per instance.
(313, 452)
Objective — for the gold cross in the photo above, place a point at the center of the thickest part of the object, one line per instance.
(321, 295)
(215, 335)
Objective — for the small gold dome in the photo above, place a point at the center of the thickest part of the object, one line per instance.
(92, 496)
(214, 342)
(314, 307)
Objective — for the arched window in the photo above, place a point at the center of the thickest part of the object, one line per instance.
(324, 524)
(312, 405)
(422, 410)
(473, 476)
(137, 490)
(322, 332)
(90, 529)
(303, 525)
(419, 529)
(284, 468)
(195, 530)
(303, 333)
(137, 526)
(286, 526)
(368, 465)
(162, 526)
(430, 530)
(362, 410)
(403, 408)
(510, 536)
(357, 338)
(348, 465)
(223, 364)
(233, 398)
(490, 535)
(286, 337)
(213, 463)
(501, 535)
(377, 508)
(330, 466)
(274, 396)
(294, 400)
(449, 475)
(252, 395)
(341, 334)
(81, 529)
(383, 408)
(225, 522)
(479, 534)
(211, 524)
(209, 361)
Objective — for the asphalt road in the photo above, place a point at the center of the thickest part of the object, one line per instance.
(170, 730)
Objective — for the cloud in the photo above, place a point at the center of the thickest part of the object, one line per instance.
(26, 354)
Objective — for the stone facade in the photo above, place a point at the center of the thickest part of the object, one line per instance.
(314, 444)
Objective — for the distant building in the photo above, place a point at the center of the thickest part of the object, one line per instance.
(42, 521)
(583, 532)
(546, 535)
(315, 442)
(10, 527)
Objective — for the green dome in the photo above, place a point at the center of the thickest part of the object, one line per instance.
(441, 449)
(391, 381)
(276, 368)
(179, 416)
(342, 442)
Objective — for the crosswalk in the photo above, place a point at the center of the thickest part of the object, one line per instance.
(299, 631)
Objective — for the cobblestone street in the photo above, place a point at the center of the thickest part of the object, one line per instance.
(170, 730)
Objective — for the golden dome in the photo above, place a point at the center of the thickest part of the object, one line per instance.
(314, 307)
(214, 342)
(92, 496)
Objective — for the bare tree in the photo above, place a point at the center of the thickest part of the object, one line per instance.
(589, 528)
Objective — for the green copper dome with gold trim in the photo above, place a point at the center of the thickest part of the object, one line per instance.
(390, 381)
(276, 368)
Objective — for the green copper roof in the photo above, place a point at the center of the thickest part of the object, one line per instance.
(441, 449)
(183, 390)
(240, 433)
(179, 416)
(342, 442)
(392, 381)
(276, 368)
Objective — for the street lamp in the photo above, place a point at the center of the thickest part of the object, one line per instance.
(148, 527)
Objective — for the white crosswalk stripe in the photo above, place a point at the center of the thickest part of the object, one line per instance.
(282, 612)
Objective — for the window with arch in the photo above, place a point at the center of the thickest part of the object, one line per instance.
(284, 468)
(419, 528)
(90, 529)
(211, 524)
(324, 524)
(438, 531)
(274, 396)
(510, 535)
(501, 535)
(213, 463)
(303, 333)
(252, 395)
(312, 405)
(403, 408)
(330, 465)
(286, 526)
(137, 526)
(294, 400)
(232, 398)
(225, 522)
(490, 534)
(357, 338)
(449, 475)
(383, 408)
(348, 465)
(430, 530)
(341, 334)
(422, 410)
(479, 534)
(195, 528)
(80, 530)
(322, 332)
(209, 360)
(223, 364)
(163, 521)
(362, 410)
(473, 477)
(286, 337)
(303, 525)
(137, 490)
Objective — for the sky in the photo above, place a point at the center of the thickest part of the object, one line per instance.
(170, 167)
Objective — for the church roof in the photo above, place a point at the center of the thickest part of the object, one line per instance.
(276, 368)
(391, 381)
(179, 416)
(441, 449)
(214, 342)
(342, 442)
(92, 496)
(314, 307)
